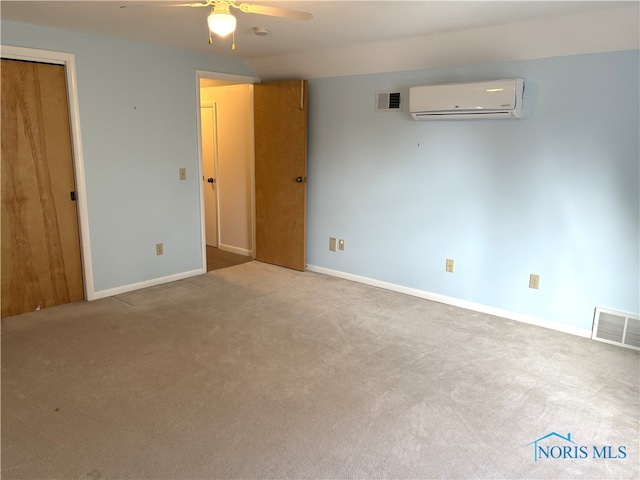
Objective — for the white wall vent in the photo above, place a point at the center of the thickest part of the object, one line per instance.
(616, 328)
(388, 101)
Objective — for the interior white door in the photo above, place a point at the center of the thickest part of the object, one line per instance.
(209, 154)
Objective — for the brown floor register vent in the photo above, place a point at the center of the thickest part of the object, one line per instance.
(616, 328)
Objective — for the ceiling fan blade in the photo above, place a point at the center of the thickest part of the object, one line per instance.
(274, 11)
(146, 5)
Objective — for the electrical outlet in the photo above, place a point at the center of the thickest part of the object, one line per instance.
(449, 265)
(332, 244)
(534, 281)
(183, 174)
(341, 244)
(159, 249)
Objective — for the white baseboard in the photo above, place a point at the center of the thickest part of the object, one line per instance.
(232, 249)
(456, 302)
(110, 292)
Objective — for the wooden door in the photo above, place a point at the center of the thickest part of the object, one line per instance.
(280, 116)
(208, 121)
(41, 264)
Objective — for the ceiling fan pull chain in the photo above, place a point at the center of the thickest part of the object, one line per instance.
(210, 41)
(233, 40)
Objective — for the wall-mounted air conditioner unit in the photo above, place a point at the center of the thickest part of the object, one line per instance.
(459, 101)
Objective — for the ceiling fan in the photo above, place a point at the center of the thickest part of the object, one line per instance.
(222, 22)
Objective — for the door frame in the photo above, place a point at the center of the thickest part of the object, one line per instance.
(229, 79)
(68, 60)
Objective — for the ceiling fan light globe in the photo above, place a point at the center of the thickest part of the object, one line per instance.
(222, 24)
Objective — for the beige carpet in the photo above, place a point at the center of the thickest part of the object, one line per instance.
(217, 259)
(256, 371)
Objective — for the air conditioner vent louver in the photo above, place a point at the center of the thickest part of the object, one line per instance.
(388, 101)
(616, 328)
(394, 100)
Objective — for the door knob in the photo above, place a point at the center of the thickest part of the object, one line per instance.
(301, 179)
(211, 180)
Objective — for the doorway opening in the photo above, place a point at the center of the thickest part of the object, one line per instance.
(226, 148)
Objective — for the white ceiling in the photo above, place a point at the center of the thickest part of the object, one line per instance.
(336, 24)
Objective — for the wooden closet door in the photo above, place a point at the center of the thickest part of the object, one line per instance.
(41, 265)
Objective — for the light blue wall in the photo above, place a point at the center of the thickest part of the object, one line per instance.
(138, 119)
(554, 194)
